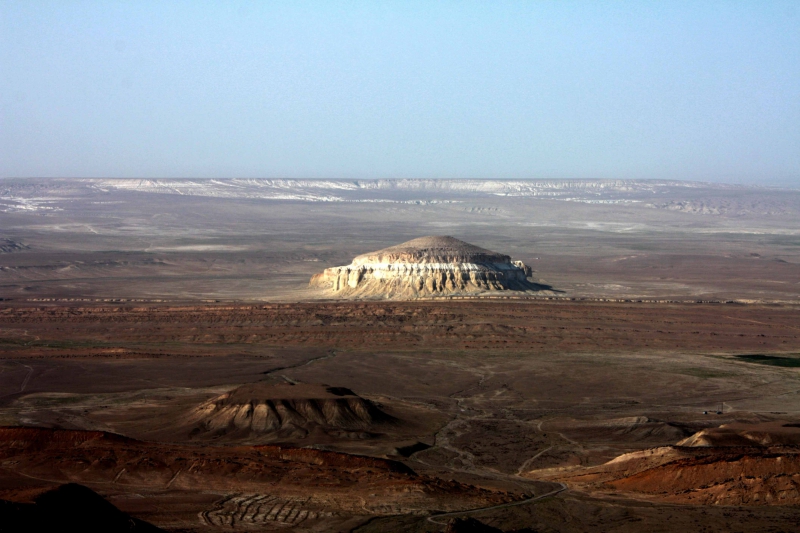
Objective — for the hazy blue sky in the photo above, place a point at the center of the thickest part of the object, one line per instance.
(684, 90)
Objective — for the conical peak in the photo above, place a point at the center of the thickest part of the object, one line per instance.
(432, 249)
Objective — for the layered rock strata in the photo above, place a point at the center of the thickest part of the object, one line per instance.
(425, 267)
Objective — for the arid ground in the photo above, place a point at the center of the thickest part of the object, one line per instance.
(160, 346)
(480, 394)
(251, 240)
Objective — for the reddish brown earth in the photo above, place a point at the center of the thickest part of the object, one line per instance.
(734, 464)
(318, 484)
(696, 475)
(507, 325)
(729, 477)
(508, 396)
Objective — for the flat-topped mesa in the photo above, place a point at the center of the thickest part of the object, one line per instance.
(425, 267)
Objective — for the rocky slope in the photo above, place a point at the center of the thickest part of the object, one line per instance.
(724, 476)
(425, 267)
(230, 486)
(281, 411)
(735, 464)
(738, 434)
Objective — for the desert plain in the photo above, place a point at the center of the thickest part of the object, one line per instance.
(161, 346)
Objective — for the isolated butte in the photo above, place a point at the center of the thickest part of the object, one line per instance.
(286, 410)
(426, 267)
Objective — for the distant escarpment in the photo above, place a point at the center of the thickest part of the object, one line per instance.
(272, 412)
(426, 267)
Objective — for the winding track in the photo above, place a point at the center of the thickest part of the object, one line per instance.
(434, 518)
(24, 381)
(466, 457)
(331, 354)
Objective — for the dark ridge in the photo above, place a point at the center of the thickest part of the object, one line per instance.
(70, 507)
(774, 360)
(411, 449)
(341, 391)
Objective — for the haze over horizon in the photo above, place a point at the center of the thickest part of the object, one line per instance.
(511, 90)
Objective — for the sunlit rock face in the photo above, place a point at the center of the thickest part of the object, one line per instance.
(284, 410)
(426, 267)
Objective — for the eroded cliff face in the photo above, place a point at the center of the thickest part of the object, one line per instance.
(426, 267)
(285, 411)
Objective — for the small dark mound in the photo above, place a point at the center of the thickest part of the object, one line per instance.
(340, 391)
(70, 507)
(774, 360)
(411, 449)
